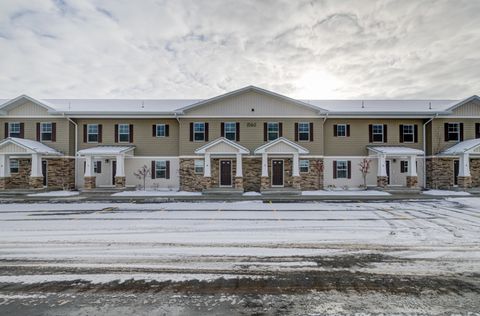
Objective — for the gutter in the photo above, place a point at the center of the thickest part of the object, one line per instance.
(76, 146)
(425, 149)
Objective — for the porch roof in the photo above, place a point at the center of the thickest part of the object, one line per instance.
(107, 151)
(395, 151)
(281, 145)
(471, 146)
(18, 146)
(222, 146)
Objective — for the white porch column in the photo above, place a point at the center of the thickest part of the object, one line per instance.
(295, 168)
(412, 166)
(89, 166)
(36, 166)
(239, 172)
(464, 165)
(264, 165)
(4, 166)
(207, 172)
(382, 166)
(120, 172)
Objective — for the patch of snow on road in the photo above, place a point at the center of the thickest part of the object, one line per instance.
(445, 193)
(56, 193)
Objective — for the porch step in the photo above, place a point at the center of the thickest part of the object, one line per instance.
(281, 191)
(402, 190)
(106, 190)
(223, 191)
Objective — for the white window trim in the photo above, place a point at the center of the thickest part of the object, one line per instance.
(195, 168)
(458, 131)
(300, 166)
(308, 132)
(119, 134)
(42, 132)
(88, 133)
(10, 128)
(164, 130)
(234, 132)
(373, 133)
(345, 129)
(346, 169)
(194, 132)
(412, 133)
(10, 166)
(268, 132)
(157, 169)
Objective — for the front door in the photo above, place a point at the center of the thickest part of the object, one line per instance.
(277, 173)
(225, 173)
(114, 171)
(456, 170)
(44, 172)
(387, 165)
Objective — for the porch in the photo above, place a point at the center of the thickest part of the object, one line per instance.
(466, 163)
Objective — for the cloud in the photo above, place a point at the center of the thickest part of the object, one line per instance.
(197, 49)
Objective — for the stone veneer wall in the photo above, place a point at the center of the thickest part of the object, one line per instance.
(189, 180)
(252, 170)
(60, 173)
(439, 173)
(21, 180)
(313, 180)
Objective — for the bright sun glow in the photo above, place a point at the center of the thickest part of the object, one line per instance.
(317, 84)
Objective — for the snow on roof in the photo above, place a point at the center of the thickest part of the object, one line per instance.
(395, 150)
(462, 147)
(32, 145)
(106, 150)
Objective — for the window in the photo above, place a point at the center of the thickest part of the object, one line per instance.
(230, 130)
(342, 169)
(161, 169)
(14, 129)
(124, 133)
(198, 131)
(453, 131)
(272, 131)
(408, 133)
(46, 131)
(303, 131)
(304, 165)
(14, 166)
(97, 166)
(377, 133)
(342, 130)
(199, 165)
(404, 166)
(161, 130)
(92, 133)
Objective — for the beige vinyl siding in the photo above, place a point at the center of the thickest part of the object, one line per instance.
(145, 144)
(28, 109)
(469, 109)
(62, 144)
(438, 140)
(251, 137)
(242, 105)
(356, 144)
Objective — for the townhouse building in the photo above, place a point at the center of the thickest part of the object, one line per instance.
(249, 139)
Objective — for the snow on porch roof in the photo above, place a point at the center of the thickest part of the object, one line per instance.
(467, 146)
(395, 150)
(106, 150)
(30, 145)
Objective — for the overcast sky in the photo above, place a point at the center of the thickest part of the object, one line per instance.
(198, 49)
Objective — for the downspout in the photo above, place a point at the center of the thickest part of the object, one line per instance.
(76, 147)
(425, 149)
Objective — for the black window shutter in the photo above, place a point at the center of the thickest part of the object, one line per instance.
(477, 130)
(116, 133)
(415, 133)
(349, 169)
(400, 132)
(100, 133)
(237, 128)
(385, 139)
(461, 132)
(348, 130)
(311, 132)
(167, 171)
(280, 129)
(265, 132)
(130, 136)
(445, 130)
(191, 131)
(296, 132)
(22, 130)
(334, 169)
(84, 133)
(6, 130)
(206, 132)
(38, 131)
(335, 133)
(152, 171)
(222, 129)
(370, 133)
(167, 130)
(154, 130)
(54, 132)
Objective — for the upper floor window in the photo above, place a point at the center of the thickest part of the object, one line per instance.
(341, 130)
(304, 131)
(453, 131)
(92, 133)
(14, 129)
(46, 131)
(273, 131)
(304, 165)
(377, 133)
(161, 130)
(124, 133)
(14, 166)
(408, 133)
(199, 131)
(230, 130)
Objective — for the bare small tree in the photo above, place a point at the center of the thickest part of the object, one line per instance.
(365, 166)
(142, 174)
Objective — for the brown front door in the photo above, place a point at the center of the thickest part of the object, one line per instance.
(277, 173)
(114, 171)
(225, 173)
